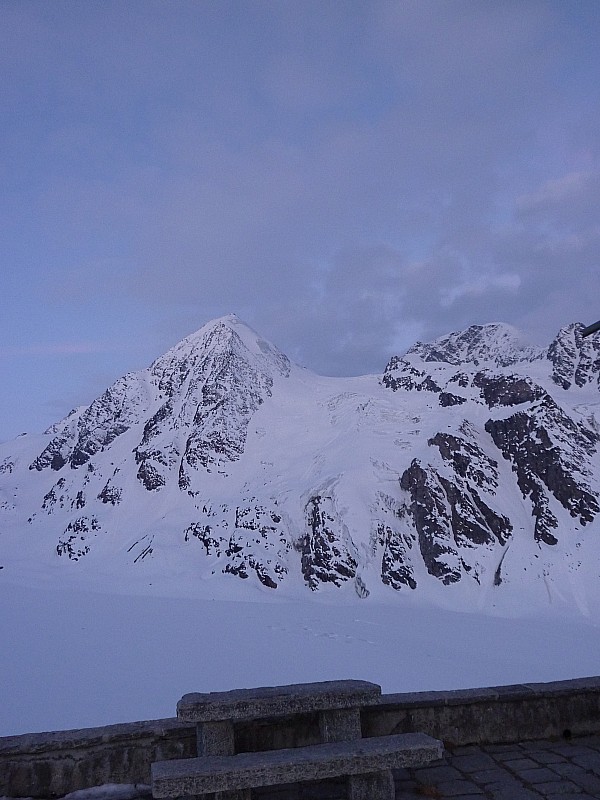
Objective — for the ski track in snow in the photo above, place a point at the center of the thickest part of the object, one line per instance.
(74, 658)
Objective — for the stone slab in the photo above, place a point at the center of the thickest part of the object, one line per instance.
(274, 701)
(197, 776)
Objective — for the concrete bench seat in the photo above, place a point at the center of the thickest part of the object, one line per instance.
(272, 701)
(337, 704)
(366, 762)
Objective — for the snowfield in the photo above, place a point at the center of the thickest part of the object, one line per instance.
(227, 519)
(468, 472)
(75, 658)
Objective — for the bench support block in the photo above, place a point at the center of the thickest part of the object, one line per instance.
(372, 786)
(340, 725)
(215, 739)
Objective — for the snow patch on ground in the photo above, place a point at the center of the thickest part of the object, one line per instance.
(73, 658)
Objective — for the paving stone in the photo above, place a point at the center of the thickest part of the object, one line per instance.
(440, 762)
(521, 763)
(538, 744)
(437, 774)
(567, 770)
(589, 760)
(539, 775)
(401, 774)
(465, 749)
(513, 792)
(590, 783)
(572, 750)
(589, 741)
(490, 776)
(558, 788)
(473, 762)
(455, 788)
(467, 797)
(510, 755)
(541, 770)
(507, 782)
(546, 757)
(405, 786)
(570, 797)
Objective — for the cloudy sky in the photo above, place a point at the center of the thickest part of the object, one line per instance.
(347, 177)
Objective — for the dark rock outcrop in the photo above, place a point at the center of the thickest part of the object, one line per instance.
(575, 360)
(550, 454)
(325, 553)
(466, 447)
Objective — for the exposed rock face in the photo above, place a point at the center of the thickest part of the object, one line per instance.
(325, 553)
(429, 510)
(95, 428)
(448, 399)
(550, 453)
(506, 390)
(243, 540)
(207, 389)
(211, 394)
(471, 464)
(396, 539)
(110, 494)
(575, 360)
(75, 542)
(449, 513)
(401, 374)
(496, 344)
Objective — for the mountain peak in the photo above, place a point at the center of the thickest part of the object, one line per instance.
(229, 331)
(495, 343)
(472, 464)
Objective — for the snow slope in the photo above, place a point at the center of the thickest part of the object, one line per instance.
(74, 658)
(227, 519)
(467, 473)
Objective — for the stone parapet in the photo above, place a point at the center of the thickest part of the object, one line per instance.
(492, 715)
(55, 763)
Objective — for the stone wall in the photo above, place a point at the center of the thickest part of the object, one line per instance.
(561, 709)
(53, 764)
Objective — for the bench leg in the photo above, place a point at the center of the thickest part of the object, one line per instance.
(372, 786)
(340, 725)
(215, 739)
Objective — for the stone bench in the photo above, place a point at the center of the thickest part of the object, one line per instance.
(337, 704)
(220, 771)
(366, 762)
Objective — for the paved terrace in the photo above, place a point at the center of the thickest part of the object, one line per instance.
(555, 770)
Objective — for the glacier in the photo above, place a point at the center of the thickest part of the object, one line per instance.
(465, 474)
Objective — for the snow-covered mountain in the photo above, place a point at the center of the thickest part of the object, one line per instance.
(466, 474)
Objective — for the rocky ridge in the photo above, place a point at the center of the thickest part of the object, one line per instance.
(470, 464)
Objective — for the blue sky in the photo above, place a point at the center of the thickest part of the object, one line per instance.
(347, 177)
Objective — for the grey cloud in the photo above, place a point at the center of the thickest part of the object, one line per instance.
(344, 181)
